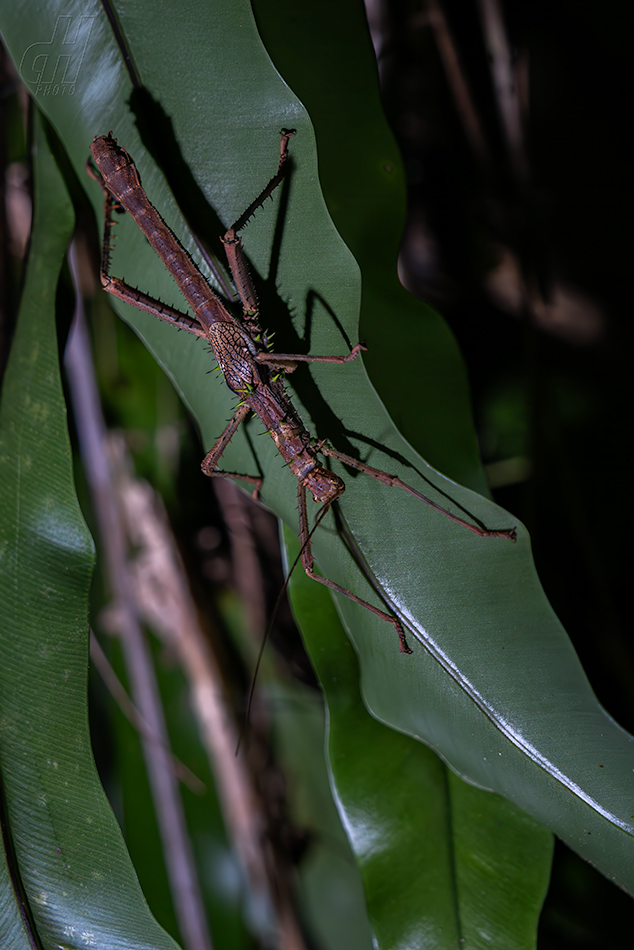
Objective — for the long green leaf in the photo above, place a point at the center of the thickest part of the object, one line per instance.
(78, 879)
(493, 684)
(444, 864)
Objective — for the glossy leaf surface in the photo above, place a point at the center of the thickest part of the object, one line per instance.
(493, 685)
(443, 863)
(79, 882)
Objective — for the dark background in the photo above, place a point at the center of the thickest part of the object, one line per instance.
(527, 254)
(547, 336)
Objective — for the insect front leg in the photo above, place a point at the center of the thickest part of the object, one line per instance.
(117, 287)
(308, 564)
(285, 362)
(233, 243)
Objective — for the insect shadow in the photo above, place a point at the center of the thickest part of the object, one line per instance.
(156, 130)
(242, 350)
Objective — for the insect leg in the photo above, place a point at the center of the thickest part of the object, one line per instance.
(117, 287)
(395, 482)
(213, 456)
(308, 565)
(288, 361)
(233, 243)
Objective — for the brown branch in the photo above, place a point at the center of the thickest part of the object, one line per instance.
(117, 690)
(91, 431)
(166, 605)
(465, 105)
(505, 83)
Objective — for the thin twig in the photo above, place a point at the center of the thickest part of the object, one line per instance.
(91, 430)
(246, 565)
(117, 690)
(456, 79)
(505, 83)
(165, 602)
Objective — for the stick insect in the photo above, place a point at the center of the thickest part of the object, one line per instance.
(251, 369)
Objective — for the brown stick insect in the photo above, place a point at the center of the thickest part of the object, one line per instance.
(251, 369)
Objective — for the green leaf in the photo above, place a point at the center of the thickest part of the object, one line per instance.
(494, 685)
(80, 885)
(442, 862)
(412, 357)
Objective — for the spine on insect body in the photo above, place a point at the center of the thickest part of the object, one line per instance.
(236, 352)
(293, 442)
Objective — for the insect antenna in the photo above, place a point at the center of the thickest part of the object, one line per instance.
(247, 714)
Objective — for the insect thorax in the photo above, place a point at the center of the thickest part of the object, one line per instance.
(235, 354)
